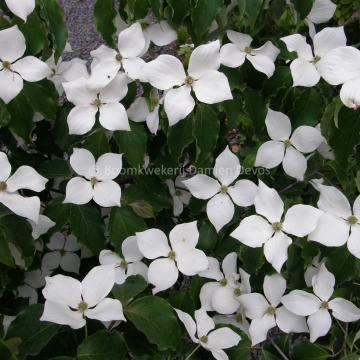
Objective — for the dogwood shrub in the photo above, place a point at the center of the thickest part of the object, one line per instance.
(191, 191)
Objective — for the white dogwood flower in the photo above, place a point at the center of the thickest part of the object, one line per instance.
(202, 331)
(25, 177)
(306, 70)
(21, 8)
(180, 196)
(147, 110)
(265, 312)
(41, 227)
(98, 183)
(223, 294)
(287, 148)
(108, 62)
(220, 208)
(129, 264)
(14, 70)
(312, 269)
(238, 320)
(181, 255)
(339, 224)
(69, 301)
(270, 226)
(210, 86)
(317, 307)
(235, 53)
(63, 248)
(112, 114)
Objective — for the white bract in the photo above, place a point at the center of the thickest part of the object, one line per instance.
(235, 53)
(202, 331)
(317, 306)
(63, 248)
(14, 70)
(210, 86)
(180, 196)
(25, 177)
(238, 320)
(147, 110)
(99, 183)
(222, 295)
(41, 227)
(265, 312)
(69, 301)
(220, 208)
(181, 255)
(339, 224)
(270, 226)
(307, 69)
(312, 270)
(21, 8)
(287, 148)
(108, 62)
(112, 114)
(129, 264)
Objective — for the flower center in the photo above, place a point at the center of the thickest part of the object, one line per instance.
(123, 264)
(316, 59)
(248, 49)
(7, 65)
(204, 339)
(352, 220)
(237, 292)
(172, 255)
(3, 186)
(223, 189)
(271, 310)
(277, 226)
(287, 143)
(93, 181)
(154, 101)
(324, 305)
(238, 318)
(62, 252)
(83, 306)
(118, 57)
(223, 282)
(177, 192)
(97, 103)
(189, 80)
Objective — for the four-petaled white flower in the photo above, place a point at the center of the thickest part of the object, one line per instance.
(339, 224)
(286, 149)
(129, 264)
(235, 53)
(21, 8)
(265, 312)
(108, 62)
(220, 208)
(271, 228)
(63, 248)
(181, 255)
(307, 69)
(112, 114)
(210, 86)
(180, 196)
(222, 295)
(25, 177)
(98, 183)
(14, 70)
(147, 110)
(69, 301)
(203, 332)
(317, 306)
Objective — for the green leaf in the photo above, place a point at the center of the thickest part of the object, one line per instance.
(5, 352)
(138, 8)
(102, 345)
(156, 7)
(104, 15)
(206, 132)
(179, 11)
(252, 10)
(143, 209)
(252, 258)
(5, 116)
(5, 254)
(43, 98)
(87, 225)
(308, 351)
(34, 334)
(341, 263)
(58, 212)
(303, 7)
(154, 317)
(207, 237)
(54, 168)
(133, 286)
(97, 143)
(179, 137)
(54, 16)
(133, 144)
(122, 224)
(256, 108)
(203, 15)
